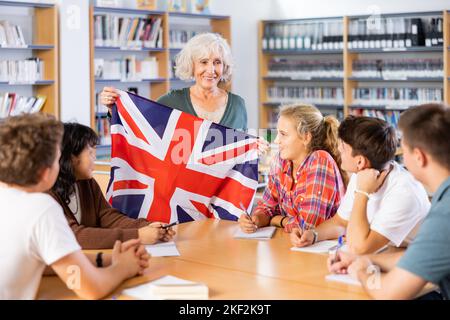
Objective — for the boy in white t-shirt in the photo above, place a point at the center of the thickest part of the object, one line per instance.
(34, 232)
(383, 204)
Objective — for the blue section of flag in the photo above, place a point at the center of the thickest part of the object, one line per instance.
(131, 204)
(157, 115)
(248, 169)
(183, 216)
(219, 136)
(224, 214)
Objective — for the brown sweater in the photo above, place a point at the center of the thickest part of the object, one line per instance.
(100, 224)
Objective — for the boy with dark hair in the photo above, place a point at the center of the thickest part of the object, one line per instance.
(383, 204)
(426, 152)
(34, 232)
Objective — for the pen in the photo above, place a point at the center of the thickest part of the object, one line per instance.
(245, 210)
(302, 226)
(340, 242)
(167, 226)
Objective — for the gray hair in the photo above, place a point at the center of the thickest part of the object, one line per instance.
(199, 47)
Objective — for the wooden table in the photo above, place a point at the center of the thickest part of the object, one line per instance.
(234, 268)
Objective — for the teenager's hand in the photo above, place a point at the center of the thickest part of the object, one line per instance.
(152, 233)
(126, 262)
(168, 233)
(301, 239)
(370, 180)
(360, 264)
(108, 97)
(340, 263)
(248, 225)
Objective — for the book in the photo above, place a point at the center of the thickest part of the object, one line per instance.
(169, 288)
(177, 5)
(146, 4)
(200, 6)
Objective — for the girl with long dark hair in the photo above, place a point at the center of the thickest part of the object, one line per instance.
(95, 223)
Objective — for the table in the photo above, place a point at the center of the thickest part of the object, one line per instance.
(234, 268)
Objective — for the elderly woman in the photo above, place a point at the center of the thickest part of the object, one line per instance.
(207, 60)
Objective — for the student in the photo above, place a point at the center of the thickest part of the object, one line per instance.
(305, 184)
(383, 204)
(426, 152)
(34, 233)
(96, 225)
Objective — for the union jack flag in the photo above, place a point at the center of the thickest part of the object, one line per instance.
(167, 165)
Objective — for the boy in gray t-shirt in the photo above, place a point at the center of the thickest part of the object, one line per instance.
(426, 151)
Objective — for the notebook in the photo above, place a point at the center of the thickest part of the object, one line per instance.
(260, 234)
(343, 278)
(169, 288)
(163, 249)
(318, 247)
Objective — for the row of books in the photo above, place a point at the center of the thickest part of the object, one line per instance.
(400, 98)
(305, 69)
(12, 104)
(398, 32)
(126, 69)
(11, 35)
(179, 38)
(313, 95)
(103, 130)
(115, 31)
(398, 68)
(322, 35)
(22, 71)
(391, 116)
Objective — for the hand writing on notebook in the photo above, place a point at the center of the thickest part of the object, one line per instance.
(249, 224)
(339, 264)
(301, 238)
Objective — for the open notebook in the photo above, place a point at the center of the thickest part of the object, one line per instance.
(169, 288)
(260, 234)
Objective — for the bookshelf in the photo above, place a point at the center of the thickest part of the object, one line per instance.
(174, 25)
(40, 42)
(375, 73)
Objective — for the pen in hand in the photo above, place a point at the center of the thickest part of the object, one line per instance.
(247, 214)
(339, 245)
(167, 226)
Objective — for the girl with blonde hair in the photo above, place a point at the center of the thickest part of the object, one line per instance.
(305, 184)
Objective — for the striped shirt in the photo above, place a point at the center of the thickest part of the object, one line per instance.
(314, 197)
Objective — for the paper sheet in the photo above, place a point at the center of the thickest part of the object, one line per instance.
(163, 249)
(260, 234)
(318, 247)
(344, 278)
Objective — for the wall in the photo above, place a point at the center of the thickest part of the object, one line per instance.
(244, 34)
(74, 60)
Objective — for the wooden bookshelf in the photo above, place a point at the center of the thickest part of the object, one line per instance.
(160, 86)
(349, 82)
(45, 46)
